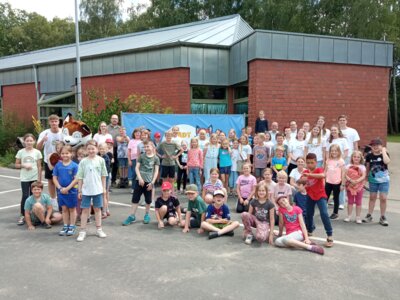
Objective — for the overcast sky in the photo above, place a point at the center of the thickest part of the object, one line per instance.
(56, 8)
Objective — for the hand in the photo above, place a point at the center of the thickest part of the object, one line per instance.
(241, 201)
(185, 230)
(45, 138)
(224, 221)
(246, 202)
(64, 191)
(384, 149)
(31, 227)
(200, 230)
(27, 166)
(307, 241)
(80, 195)
(149, 186)
(341, 187)
(47, 221)
(130, 163)
(160, 225)
(141, 182)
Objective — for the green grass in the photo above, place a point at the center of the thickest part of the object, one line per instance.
(394, 138)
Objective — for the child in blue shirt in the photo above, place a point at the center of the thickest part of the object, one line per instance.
(279, 162)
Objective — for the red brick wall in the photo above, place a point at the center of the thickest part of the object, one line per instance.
(302, 91)
(171, 87)
(20, 99)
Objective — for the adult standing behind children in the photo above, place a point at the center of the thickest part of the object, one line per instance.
(350, 134)
(47, 142)
(113, 129)
(102, 135)
(261, 123)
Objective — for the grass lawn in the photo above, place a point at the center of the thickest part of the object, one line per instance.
(395, 138)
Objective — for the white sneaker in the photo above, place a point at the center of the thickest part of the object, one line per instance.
(347, 219)
(341, 206)
(100, 233)
(358, 220)
(249, 239)
(81, 236)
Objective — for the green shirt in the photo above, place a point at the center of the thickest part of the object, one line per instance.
(44, 200)
(147, 166)
(29, 157)
(169, 149)
(197, 207)
(91, 170)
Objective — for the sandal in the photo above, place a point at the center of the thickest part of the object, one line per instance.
(329, 242)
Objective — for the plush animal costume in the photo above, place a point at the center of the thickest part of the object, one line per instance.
(75, 132)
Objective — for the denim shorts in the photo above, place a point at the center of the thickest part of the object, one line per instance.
(97, 201)
(382, 187)
(122, 162)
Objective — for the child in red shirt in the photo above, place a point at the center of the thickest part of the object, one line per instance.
(316, 195)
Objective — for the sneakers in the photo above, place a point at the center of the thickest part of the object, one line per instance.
(367, 219)
(249, 239)
(21, 221)
(334, 216)
(341, 206)
(45, 225)
(383, 221)
(347, 219)
(81, 236)
(129, 220)
(358, 220)
(230, 233)
(329, 242)
(100, 233)
(146, 218)
(63, 231)
(213, 235)
(317, 249)
(71, 230)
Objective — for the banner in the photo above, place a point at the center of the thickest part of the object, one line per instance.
(189, 125)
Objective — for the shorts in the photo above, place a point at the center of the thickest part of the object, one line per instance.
(382, 187)
(283, 240)
(220, 226)
(195, 222)
(139, 191)
(258, 172)
(225, 170)
(35, 220)
(97, 201)
(70, 200)
(168, 171)
(170, 214)
(122, 162)
(48, 174)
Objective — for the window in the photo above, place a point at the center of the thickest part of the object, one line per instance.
(209, 100)
(58, 104)
(241, 101)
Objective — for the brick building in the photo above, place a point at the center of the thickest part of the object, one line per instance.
(215, 66)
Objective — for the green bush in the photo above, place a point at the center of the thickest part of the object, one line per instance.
(93, 115)
(10, 128)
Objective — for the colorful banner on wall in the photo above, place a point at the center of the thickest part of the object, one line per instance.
(189, 125)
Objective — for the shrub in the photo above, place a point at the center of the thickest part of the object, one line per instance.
(11, 127)
(93, 115)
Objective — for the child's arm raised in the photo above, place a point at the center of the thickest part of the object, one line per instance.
(386, 158)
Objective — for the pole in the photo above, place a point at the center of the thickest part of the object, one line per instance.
(78, 62)
(396, 120)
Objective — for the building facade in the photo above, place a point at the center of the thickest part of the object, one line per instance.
(215, 66)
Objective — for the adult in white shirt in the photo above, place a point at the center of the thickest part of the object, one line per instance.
(296, 149)
(102, 135)
(306, 128)
(274, 131)
(350, 134)
(293, 129)
(324, 131)
(47, 142)
(316, 144)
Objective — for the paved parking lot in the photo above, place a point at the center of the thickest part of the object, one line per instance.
(141, 262)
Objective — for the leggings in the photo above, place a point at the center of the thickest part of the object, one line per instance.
(26, 192)
(182, 178)
(335, 188)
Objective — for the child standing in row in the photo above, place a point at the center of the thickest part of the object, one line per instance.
(278, 162)
(334, 174)
(182, 168)
(147, 167)
(296, 236)
(29, 160)
(261, 215)
(245, 188)
(195, 163)
(103, 148)
(234, 169)
(225, 162)
(64, 178)
(133, 154)
(355, 177)
(122, 154)
(92, 174)
(210, 153)
(261, 156)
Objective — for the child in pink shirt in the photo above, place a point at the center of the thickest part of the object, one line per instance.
(245, 187)
(133, 153)
(195, 163)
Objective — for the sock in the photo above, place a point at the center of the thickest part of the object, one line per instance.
(309, 247)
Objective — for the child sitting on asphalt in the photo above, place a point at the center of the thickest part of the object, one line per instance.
(296, 236)
(39, 210)
(218, 218)
(196, 212)
(168, 207)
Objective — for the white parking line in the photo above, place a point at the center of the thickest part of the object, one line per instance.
(12, 177)
(10, 206)
(354, 245)
(9, 191)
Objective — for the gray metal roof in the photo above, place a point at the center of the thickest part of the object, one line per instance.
(223, 31)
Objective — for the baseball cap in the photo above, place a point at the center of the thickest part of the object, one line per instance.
(166, 186)
(191, 188)
(376, 141)
(219, 192)
(157, 135)
(109, 141)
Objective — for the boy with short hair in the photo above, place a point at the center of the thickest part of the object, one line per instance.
(260, 156)
(196, 209)
(278, 162)
(171, 152)
(316, 195)
(218, 218)
(378, 178)
(146, 175)
(300, 197)
(38, 209)
(168, 207)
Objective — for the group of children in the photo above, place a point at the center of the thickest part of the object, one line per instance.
(268, 173)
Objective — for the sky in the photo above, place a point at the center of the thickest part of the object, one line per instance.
(57, 8)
